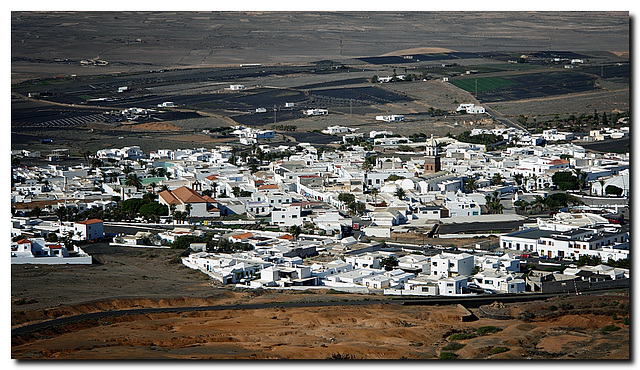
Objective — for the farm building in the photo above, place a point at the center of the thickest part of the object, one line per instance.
(315, 112)
(390, 118)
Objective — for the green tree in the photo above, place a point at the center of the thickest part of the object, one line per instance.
(388, 263)
(346, 198)
(565, 181)
(295, 230)
(613, 190)
(496, 179)
(153, 210)
(400, 193)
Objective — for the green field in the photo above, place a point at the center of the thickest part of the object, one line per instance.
(484, 83)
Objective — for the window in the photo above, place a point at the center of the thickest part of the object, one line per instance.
(435, 263)
(449, 284)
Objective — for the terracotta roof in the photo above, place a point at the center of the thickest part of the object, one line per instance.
(181, 195)
(208, 199)
(89, 222)
(242, 236)
(286, 237)
(187, 195)
(558, 161)
(54, 246)
(212, 177)
(168, 197)
(23, 241)
(268, 186)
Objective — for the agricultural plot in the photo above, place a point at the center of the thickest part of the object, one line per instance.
(414, 58)
(350, 81)
(609, 71)
(367, 95)
(526, 86)
(264, 119)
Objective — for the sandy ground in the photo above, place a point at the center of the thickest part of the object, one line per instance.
(380, 331)
(125, 278)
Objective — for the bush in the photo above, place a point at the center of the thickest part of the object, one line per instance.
(526, 316)
(609, 328)
(496, 350)
(448, 356)
(484, 330)
(552, 308)
(453, 346)
(462, 336)
(626, 321)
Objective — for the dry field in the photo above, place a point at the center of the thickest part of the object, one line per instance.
(126, 278)
(379, 331)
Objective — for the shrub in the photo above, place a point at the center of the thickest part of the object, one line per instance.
(462, 336)
(552, 308)
(484, 330)
(609, 328)
(625, 321)
(453, 346)
(566, 306)
(496, 350)
(526, 316)
(448, 356)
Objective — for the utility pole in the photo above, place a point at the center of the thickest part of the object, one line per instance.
(476, 88)
(274, 115)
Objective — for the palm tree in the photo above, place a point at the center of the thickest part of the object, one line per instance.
(518, 178)
(538, 202)
(188, 207)
(133, 180)
(493, 202)
(470, 184)
(400, 193)
(375, 192)
(496, 179)
(127, 169)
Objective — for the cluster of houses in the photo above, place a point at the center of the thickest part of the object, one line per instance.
(279, 261)
(425, 187)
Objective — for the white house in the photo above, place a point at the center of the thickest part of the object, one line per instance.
(83, 230)
(450, 264)
(38, 251)
(286, 215)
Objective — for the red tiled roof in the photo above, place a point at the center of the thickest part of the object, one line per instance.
(212, 177)
(242, 236)
(286, 237)
(187, 195)
(558, 161)
(168, 197)
(89, 222)
(23, 241)
(208, 199)
(268, 186)
(181, 195)
(54, 246)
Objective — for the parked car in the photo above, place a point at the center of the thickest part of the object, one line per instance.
(525, 255)
(487, 291)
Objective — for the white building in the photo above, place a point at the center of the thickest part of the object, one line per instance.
(451, 264)
(315, 112)
(286, 215)
(87, 230)
(390, 118)
(38, 251)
